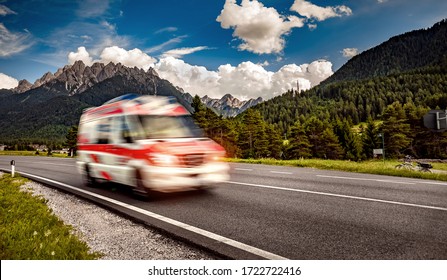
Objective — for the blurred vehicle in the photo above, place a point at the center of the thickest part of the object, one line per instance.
(148, 143)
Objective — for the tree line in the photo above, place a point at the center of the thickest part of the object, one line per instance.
(320, 136)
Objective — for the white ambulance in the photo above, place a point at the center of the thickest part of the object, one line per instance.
(148, 143)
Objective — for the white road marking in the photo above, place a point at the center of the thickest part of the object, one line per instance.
(342, 196)
(281, 172)
(243, 169)
(366, 179)
(199, 231)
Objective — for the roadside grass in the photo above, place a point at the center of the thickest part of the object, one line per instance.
(369, 167)
(32, 153)
(30, 231)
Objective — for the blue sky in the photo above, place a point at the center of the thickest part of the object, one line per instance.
(246, 48)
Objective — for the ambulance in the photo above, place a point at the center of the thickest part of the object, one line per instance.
(150, 143)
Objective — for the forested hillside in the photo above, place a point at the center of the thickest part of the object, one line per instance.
(402, 53)
(384, 91)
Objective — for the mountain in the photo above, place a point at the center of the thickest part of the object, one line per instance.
(402, 53)
(410, 69)
(229, 106)
(44, 110)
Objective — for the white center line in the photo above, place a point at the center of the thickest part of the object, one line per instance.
(341, 195)
(281, 172)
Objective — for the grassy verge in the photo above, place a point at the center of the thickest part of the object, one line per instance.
(31, 153)
(370, 167)
(29, 230)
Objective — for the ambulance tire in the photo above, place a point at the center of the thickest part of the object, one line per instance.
(139, 190)
(89, 181)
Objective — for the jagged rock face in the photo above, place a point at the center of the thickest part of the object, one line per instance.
(228, 105)
(23, 86)
(78, 77)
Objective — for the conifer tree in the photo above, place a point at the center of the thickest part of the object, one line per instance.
(299, 146)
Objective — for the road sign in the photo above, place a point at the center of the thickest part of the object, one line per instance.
(378, 151)
(436, 119)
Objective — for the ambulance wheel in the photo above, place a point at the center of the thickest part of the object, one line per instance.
(89, 181)
(139, 189)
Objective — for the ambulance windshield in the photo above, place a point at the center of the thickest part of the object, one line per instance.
(160, 127)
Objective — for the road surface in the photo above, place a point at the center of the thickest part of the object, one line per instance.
(279, 212)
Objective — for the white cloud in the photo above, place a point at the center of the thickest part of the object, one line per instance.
(92, 8)
(261, 29)
(246, 80)
(12, 43)
(108, 25)
(350, 52)
(8, 82)
(166, 29)
(81, 54)
(131, 58)
(161, 46)
(312, 11)
(178, 53)
(6, 11)
(382, 1)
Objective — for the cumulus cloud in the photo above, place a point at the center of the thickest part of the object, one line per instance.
(246, 80)
(129, 58)
(81, 54)
(312, 11)
(350, 52)
(178, 53)
(261, 29)
(6, 11)
(13, 42)
(8, 82)
(132, 58)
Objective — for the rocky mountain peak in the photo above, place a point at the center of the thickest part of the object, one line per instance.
(44, 79)
(228, 105)
(23, 86)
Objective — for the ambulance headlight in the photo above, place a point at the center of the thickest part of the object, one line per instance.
(163, 159)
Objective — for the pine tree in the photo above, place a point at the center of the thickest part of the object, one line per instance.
(396, 130)
(71, 140)
(370, 139)
(299, 146)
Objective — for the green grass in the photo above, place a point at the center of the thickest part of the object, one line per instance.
(370, 167)
(31, 153)
(29, 229)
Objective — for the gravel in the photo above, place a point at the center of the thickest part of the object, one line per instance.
(115, 237)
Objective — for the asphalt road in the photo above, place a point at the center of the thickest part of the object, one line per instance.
(273, 212)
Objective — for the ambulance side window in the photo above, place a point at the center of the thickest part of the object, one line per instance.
(122, 132)
(134, 126)
(103, 129)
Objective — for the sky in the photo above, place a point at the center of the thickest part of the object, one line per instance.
(248, 48)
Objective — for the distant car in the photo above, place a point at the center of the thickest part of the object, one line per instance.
(148, 143)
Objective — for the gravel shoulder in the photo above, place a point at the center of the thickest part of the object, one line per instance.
(115, 237)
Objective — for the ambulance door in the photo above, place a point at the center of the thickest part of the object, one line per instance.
(120, 152)
(102, 158)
